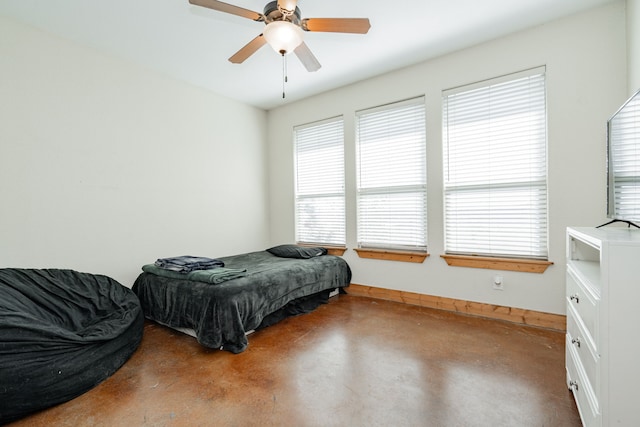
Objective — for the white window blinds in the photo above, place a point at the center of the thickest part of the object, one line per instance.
(495, 167)
(391, 176)
(319, 185)
(624, 162)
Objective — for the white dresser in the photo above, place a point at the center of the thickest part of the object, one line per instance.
(603, 324)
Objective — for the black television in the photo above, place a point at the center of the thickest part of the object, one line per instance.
(623, 163)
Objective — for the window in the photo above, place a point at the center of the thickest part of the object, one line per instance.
(495, 173)
(319, 186)
(391, 176)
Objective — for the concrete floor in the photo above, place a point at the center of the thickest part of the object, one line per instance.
(353, 362)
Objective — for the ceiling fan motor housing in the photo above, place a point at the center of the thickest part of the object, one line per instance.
(273, 13)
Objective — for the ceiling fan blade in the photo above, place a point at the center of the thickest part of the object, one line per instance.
(337, 25)
(248, 50)
(306, 57)
(228, 8)
(288, 5)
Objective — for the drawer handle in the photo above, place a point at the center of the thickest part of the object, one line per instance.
(573, 384)
(575, 298)
(576, 341)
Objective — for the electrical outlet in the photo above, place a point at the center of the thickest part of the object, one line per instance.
(498, 283)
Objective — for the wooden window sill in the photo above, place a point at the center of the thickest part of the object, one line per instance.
(335, 250)
(390, 255)
(491, 263)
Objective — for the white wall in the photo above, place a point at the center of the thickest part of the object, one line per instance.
(585, 59)
(105, 166)
(633, 45)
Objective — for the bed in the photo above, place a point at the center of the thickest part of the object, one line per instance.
(270, 286)
(62, 332)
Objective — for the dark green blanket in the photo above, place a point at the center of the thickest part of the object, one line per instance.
(220, 314)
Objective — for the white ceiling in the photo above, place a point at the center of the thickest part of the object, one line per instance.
(192, 43)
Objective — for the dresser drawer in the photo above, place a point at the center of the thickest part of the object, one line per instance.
(585, 304)
(585, 352)
(586, 401)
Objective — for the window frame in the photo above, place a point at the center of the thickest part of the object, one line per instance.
(380, 249)
(306, 195)
(539, 253)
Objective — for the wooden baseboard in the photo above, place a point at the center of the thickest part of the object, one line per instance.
(516, 315)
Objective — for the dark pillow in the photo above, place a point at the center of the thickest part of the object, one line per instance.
(295, 251)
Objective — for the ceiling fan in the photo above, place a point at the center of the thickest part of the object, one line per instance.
(285, 29)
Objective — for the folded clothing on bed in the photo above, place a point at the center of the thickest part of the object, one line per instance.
(214, 275)
(186, 263)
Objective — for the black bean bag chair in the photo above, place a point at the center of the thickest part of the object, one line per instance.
(61, 333)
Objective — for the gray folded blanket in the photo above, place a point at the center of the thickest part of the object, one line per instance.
(214, 276)
(187, 263)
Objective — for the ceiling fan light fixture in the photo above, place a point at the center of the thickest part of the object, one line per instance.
(283, 36)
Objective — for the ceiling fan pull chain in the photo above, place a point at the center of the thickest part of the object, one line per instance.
(284, 72)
